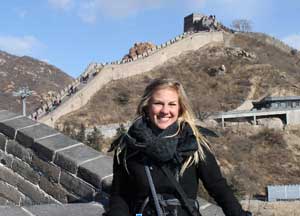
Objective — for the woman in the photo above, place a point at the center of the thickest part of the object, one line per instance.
(164, 137)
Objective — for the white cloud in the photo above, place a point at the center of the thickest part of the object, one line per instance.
(90, 10)
(293, 41)
(61, 4)
(27, 45)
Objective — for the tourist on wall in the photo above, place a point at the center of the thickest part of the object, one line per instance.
(159, 161)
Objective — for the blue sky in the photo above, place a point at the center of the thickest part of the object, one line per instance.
(72, 33)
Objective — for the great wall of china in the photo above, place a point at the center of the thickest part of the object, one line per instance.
(43, 172)
(120, 70)
(102, 74)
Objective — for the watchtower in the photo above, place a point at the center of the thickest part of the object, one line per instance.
(191, 20)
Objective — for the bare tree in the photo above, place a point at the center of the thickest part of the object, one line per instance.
(242, 25)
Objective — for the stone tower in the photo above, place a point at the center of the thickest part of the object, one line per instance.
(191, 20)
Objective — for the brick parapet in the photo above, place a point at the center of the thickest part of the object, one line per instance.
(45, 166)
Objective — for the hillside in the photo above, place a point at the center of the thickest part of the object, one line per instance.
(254, 65)
(253, 69)
(41, 77)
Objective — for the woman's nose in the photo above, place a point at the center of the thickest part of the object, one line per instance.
(164, 110)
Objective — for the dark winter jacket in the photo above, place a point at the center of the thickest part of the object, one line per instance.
(130, 186)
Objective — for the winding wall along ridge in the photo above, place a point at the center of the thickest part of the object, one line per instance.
(119, 71)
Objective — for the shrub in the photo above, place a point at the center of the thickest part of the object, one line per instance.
(122, 98)
(95, 139)
(294, 51)
(68, 130)
(120, 130)
(270, 137)
(80, 136)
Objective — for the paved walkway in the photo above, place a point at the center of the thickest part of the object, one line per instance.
(84, 209)
(209, 209)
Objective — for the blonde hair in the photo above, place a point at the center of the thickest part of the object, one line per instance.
(186, 115)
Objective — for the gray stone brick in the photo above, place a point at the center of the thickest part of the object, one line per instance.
(95, 170)
(70, 158)
(26, 171)
(10, 193)
(26, 201)
(46, 148)
(102, 198)
(34, 193)
(106, 184)
(54, 189)
(19, 151)
(82, 209)
(9, 127)
(72, 198)
(12, 211)
(7, 115)
(49, 170)
(7, 175)
(76, 185)
(5, 202)
(27, 136)
(3, 140)
(6, 159)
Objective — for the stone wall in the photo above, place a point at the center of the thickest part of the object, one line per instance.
(40, 166)
(293, 117)
(143, 63)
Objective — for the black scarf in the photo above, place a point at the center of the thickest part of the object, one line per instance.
(161, 145)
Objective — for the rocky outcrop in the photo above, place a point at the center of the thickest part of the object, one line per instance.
(274, 123)
(238, 52)
(217, 70)
(138, 49)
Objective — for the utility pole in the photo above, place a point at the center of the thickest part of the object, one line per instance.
(23, 93)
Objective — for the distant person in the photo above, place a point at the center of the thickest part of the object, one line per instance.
(159, 161)
(70, 91)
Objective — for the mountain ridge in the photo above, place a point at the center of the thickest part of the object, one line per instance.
(25, 71)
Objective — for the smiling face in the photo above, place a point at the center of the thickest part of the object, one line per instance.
(163, 107)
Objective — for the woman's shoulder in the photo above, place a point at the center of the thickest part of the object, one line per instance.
(118, 143)
(186, 129)
(207, 132)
